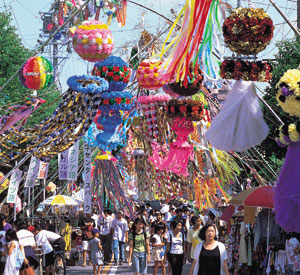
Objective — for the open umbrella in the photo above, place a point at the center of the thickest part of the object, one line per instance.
(60, 200)
(256, 197)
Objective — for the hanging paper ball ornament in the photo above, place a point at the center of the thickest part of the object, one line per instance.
(115, 70)
(186, 108)
(288, 92)
(116, 101)
(149, 75)
(191, 83)
(248, 31)
(93, 41)
(37, 73)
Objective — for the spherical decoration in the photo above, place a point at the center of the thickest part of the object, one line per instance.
(248, 31)
(288, 92)
(37, 73)
(93, 41)
(116, 101)
(191, 83)
(109, 121)
(87, 84)
(185, 108)
(149, 75)
(115, 70)
(246, 70)
(138, 153)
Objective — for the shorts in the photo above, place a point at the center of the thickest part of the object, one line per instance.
(49, 258)
(85, 245)
(157, 253)
(139, 262)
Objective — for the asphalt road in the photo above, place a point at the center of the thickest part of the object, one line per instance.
(112, 270)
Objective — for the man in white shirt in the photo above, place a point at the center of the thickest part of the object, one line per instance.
(42, 240)
(104, 225)
(119, 230)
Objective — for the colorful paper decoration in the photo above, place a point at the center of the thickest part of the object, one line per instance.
(240, 124)
(116, 101)
(191, 83)
(246, 70)
(288, 92)
(115, 71)
(87, 84)
(37, 73)
(177, 158)
(148, 74)
(185, 108)
(248, 31)
(93, 41)
(55, 134)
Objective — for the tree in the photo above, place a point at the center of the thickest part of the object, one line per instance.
(12, 56)
(287, 58)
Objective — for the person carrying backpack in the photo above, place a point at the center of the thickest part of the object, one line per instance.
(175, 248)
(139, 249)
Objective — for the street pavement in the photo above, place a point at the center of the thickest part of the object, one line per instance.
(112, 270)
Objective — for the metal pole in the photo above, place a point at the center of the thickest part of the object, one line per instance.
(44, 191)
(29, 214)
(298, 14)
(268, 230)
(286, 19)
(55, 60)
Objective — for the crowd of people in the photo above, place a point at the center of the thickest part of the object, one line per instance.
(170, 237)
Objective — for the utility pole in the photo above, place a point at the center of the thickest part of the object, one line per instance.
(55, 60)
(298, 14)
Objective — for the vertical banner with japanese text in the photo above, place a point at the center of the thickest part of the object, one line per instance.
(14, 186)
(63, 165)
(43, 170)
(87, 180)
(73, 162)
(32, 172)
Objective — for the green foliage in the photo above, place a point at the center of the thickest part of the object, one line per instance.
(287, 58)
(12, 56)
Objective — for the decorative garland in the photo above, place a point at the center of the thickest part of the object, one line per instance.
(115, 71)
(116, 101)
(153, 98)
(37, 73)
(191, 83)
(109, 121)
(288, 133)
(288, 92)
(185, 108)
(246, 70)
(87, 84)
(248, 31)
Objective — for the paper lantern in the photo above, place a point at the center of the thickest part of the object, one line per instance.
(149, 76)
(288, 92)
(248, 31)
(115, 70)
(93, 41)
(191, 83)
(37, 73)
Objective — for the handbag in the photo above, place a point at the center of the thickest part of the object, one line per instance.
(28, 270)
(19, 258)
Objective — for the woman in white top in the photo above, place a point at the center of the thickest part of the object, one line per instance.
(210, 256)
(175, 248)
(27, 241)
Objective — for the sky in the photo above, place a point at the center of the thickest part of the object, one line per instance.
(27, 20)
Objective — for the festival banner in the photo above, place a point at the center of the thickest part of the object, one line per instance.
(73, 162)
(32, 172)
(14, 186)
(87, 180)
(43, 170)
(63, 165)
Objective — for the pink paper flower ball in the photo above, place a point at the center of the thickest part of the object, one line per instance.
(93, 41)
(149, 75)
